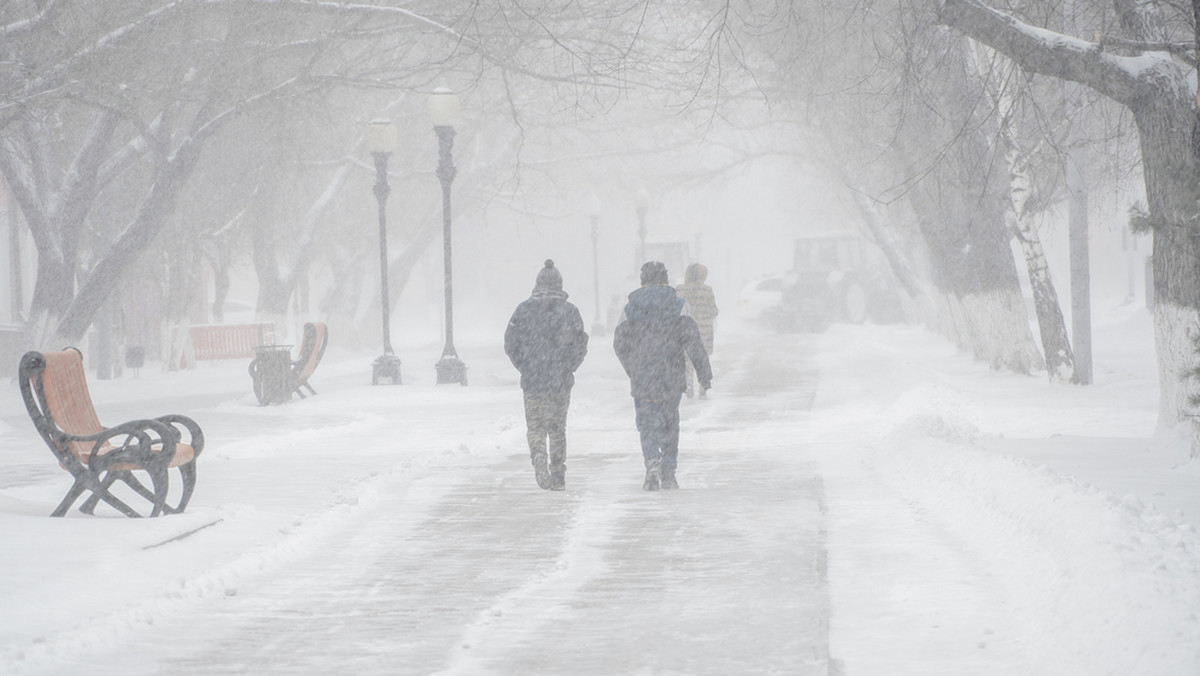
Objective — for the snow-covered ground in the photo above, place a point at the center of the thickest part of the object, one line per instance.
(862, 501)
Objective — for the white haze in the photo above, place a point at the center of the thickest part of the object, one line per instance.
(866, 500)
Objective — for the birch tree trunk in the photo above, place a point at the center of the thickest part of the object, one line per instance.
(1056, 346)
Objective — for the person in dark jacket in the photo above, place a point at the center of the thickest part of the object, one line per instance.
(651, 342)
(546, 342)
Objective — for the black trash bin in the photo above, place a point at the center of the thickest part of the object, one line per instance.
(271, 371)
(135, 356)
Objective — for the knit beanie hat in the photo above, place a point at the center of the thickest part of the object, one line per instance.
(549, 278)
(654, 272)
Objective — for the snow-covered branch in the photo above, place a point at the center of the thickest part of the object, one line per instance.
(206, 127)
(1183, 51)
(344, 8)
(53, 76)
(22, 25)
(1049, 53)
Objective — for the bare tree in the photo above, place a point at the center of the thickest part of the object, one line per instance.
(137, 92)
(124, 100)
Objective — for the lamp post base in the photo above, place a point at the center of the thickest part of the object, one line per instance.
(451, 369)
(386, 366)
(597, 328)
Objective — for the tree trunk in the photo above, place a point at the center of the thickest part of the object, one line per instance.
(1170, 193)
(128, 248)
(16, 288)
(53, 288)
(1156, 91)
(274, 289)
(886, 239)
(220, 267)
(960, 202)
(1056, 348)
(973, 268)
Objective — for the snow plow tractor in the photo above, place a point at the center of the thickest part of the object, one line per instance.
(835, 278)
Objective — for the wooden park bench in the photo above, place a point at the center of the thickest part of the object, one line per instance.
(56, 395)
(312, 348)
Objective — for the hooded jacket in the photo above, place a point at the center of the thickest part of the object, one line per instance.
(701, 303)
(652, 340)
(545, 340)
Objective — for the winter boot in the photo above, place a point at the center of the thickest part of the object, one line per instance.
(558, 478)
(541, 471)
(668, 482)
(652, 476)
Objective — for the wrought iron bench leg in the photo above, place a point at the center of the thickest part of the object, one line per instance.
(69, 499)
(187, 473)
(89, 505)
(101, 492)
(157, 498)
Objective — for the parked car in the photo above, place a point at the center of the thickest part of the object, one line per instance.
(759, 296)
(835, 277)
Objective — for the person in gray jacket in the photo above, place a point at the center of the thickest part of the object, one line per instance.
(546, 342)
(651, 343)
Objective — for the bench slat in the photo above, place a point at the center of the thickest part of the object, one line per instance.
(227, 341)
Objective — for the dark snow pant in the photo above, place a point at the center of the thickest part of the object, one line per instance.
(658, 425)
(546, 421)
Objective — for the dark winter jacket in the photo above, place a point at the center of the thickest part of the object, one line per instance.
(651, 343)
(546, 341)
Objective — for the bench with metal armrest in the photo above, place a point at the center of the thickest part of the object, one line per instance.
(55, 390)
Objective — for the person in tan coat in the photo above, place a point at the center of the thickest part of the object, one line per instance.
(701, 305)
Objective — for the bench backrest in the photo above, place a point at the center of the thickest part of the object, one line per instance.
(55, 389)
(227, 341)
(312, 348)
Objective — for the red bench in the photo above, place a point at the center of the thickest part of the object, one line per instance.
(228, 341)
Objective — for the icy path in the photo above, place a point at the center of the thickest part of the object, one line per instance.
(498, 578)
(841, 520)
(452, 565)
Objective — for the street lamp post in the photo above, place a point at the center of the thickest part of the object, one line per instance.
(444, 112)
(381, 141)
(594, 213)
(641, 201)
